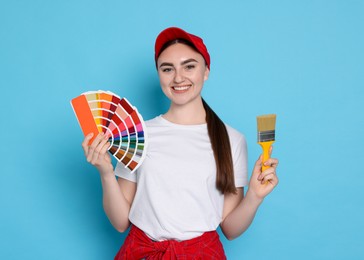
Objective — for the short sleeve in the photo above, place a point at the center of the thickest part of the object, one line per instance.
(122, 172)
(240, 161)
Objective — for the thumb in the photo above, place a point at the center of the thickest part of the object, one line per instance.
(258, 166)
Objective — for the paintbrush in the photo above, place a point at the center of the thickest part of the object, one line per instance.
(266, 135)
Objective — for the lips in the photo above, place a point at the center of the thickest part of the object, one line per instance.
(181, 88)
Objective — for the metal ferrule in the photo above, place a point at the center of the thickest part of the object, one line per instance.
(266, 136)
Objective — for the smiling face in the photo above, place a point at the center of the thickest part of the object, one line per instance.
(182, 72)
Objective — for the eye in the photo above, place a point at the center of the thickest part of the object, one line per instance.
(190, 66)
(166, 69)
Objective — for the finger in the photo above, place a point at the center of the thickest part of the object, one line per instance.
(87, 139)
(85, 142)
(107, 134)
(100, 149)
(266, 177)
(96, 152)
(92, 147)
(271, 178)
(271, 162)
(103, 152)
(258, 166)
(268, 171)
(105, 147)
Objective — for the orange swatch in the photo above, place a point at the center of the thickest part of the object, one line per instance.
(84, 116)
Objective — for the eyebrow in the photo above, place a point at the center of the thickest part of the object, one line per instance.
(182, 63)
(188, 61)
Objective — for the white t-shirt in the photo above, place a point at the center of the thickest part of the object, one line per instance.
(176, 195)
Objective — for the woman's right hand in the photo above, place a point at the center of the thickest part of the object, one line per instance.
(97, 154)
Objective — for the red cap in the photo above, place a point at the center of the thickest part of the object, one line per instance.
(174, 33)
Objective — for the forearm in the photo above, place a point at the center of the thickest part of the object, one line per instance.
(241, 217)
(115, 204)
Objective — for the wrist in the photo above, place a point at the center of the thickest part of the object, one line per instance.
(252, 197)
(106, 174)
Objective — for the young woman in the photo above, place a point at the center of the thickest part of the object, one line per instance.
(192, 179)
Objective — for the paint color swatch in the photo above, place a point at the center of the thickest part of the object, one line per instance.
(105, 112)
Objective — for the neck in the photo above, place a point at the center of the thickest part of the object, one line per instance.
(188, 114)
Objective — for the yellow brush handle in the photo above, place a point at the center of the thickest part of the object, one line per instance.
(266, 146)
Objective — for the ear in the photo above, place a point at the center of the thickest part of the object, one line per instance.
(207, 73)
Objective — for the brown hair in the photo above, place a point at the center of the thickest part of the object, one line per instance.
(219, 139)
(220, 143)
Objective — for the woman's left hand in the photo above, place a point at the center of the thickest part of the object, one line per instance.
(262, 183)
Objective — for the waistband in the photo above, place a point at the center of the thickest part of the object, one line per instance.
(138, 245)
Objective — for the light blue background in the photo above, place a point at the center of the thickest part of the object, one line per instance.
(300, 59)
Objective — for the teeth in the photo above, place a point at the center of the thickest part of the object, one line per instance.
(181, 88)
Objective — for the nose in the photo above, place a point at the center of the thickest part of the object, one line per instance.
(178, 76)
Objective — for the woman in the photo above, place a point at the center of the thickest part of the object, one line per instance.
(193, 176)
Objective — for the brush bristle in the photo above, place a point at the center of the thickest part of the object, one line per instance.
(266, 122)
(266, 127)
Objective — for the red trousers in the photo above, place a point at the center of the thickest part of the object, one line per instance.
(137, 246)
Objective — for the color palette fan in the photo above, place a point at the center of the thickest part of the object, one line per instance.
(104, 112)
